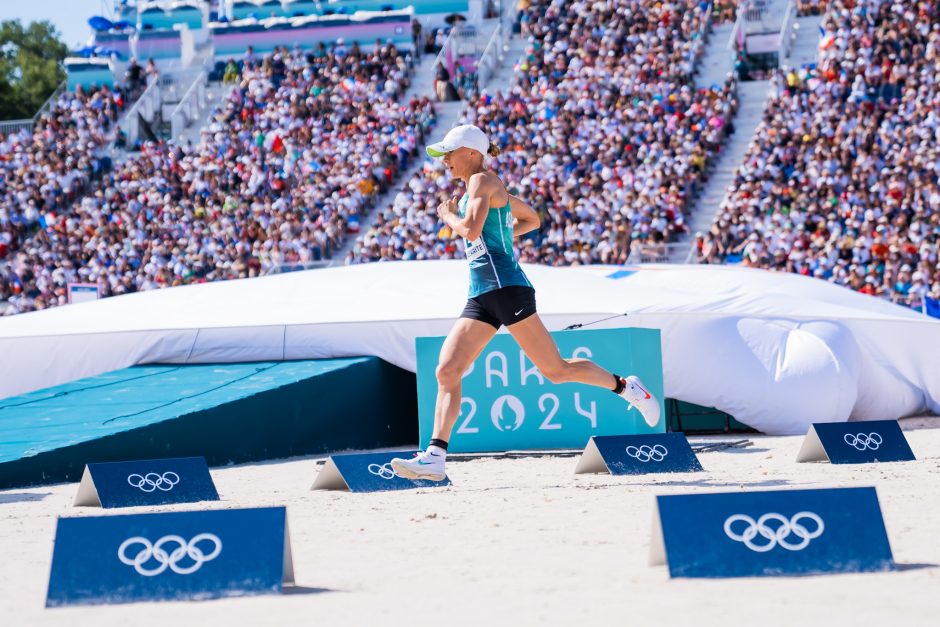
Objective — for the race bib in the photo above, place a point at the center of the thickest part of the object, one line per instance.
(476, 248)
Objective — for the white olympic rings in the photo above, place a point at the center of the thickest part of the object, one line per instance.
(169, 560)
(383, 470)
(153, 481)
(863, 441)
(656, 453)
(780, 535)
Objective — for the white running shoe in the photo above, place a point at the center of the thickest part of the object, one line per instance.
(424, 465)
(638, 396)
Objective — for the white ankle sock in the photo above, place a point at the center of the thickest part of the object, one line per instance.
(437, 451)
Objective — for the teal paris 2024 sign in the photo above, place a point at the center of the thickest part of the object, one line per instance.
(506, 403)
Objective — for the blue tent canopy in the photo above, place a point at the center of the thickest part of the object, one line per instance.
(100, 23)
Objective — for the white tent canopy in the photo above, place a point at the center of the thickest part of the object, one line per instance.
(777, 351)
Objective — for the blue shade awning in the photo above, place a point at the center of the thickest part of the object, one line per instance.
(100, 23)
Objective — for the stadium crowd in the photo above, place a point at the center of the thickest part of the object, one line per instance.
(44, 170)
(298, 151)
(603, 133)
(841, 180)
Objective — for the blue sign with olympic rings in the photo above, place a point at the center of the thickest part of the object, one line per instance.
(368, 472)
(638, 454)
(170, 556)
(766, 533)
(860, 442)
(147, 482)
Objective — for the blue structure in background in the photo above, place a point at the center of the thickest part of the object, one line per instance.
(147, 482)
(860, 442)
(227, 413)
(367, 472)
(88, 73)
(170, 556)
(638, 454)
(232, 39)
(784, 532)
(154, 15)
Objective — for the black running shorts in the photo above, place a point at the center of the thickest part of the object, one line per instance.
(507, 305)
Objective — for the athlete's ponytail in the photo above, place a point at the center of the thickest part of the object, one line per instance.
(493, 150)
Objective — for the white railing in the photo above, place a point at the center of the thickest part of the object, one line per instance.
(492, 56)
(461, 41)
(10, 127)
(447, 55)
(298, 266)
(186, 112)
(763, 16)
(754, 13)
(654, 253)
(785, 43)
(736, 32)
(146, 107)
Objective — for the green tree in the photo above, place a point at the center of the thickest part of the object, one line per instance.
(30, 67)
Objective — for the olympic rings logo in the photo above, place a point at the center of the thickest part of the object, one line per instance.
(862, 441)
(171, 560)
(384, 470)
(153, 481)
(656, 453)
(779, 536)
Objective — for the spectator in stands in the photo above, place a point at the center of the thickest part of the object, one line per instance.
(442, 86)
(151, 72)
(440, 38)
(133, 77)
(120, 139)
(465, 84)
(250, 58)
(232, 73)
(725, 11)
(339, 50)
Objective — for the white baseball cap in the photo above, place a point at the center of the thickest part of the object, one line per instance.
(463, 136)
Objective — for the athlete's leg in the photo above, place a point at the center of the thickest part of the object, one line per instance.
(538, 345)
(464, 344)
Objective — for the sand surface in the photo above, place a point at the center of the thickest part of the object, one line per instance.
(515, 542)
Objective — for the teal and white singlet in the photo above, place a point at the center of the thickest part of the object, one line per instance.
(492, 262)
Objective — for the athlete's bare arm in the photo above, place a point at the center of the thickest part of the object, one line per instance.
(526, 218)
(483, 188)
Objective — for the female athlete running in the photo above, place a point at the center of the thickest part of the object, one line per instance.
(488, 218)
